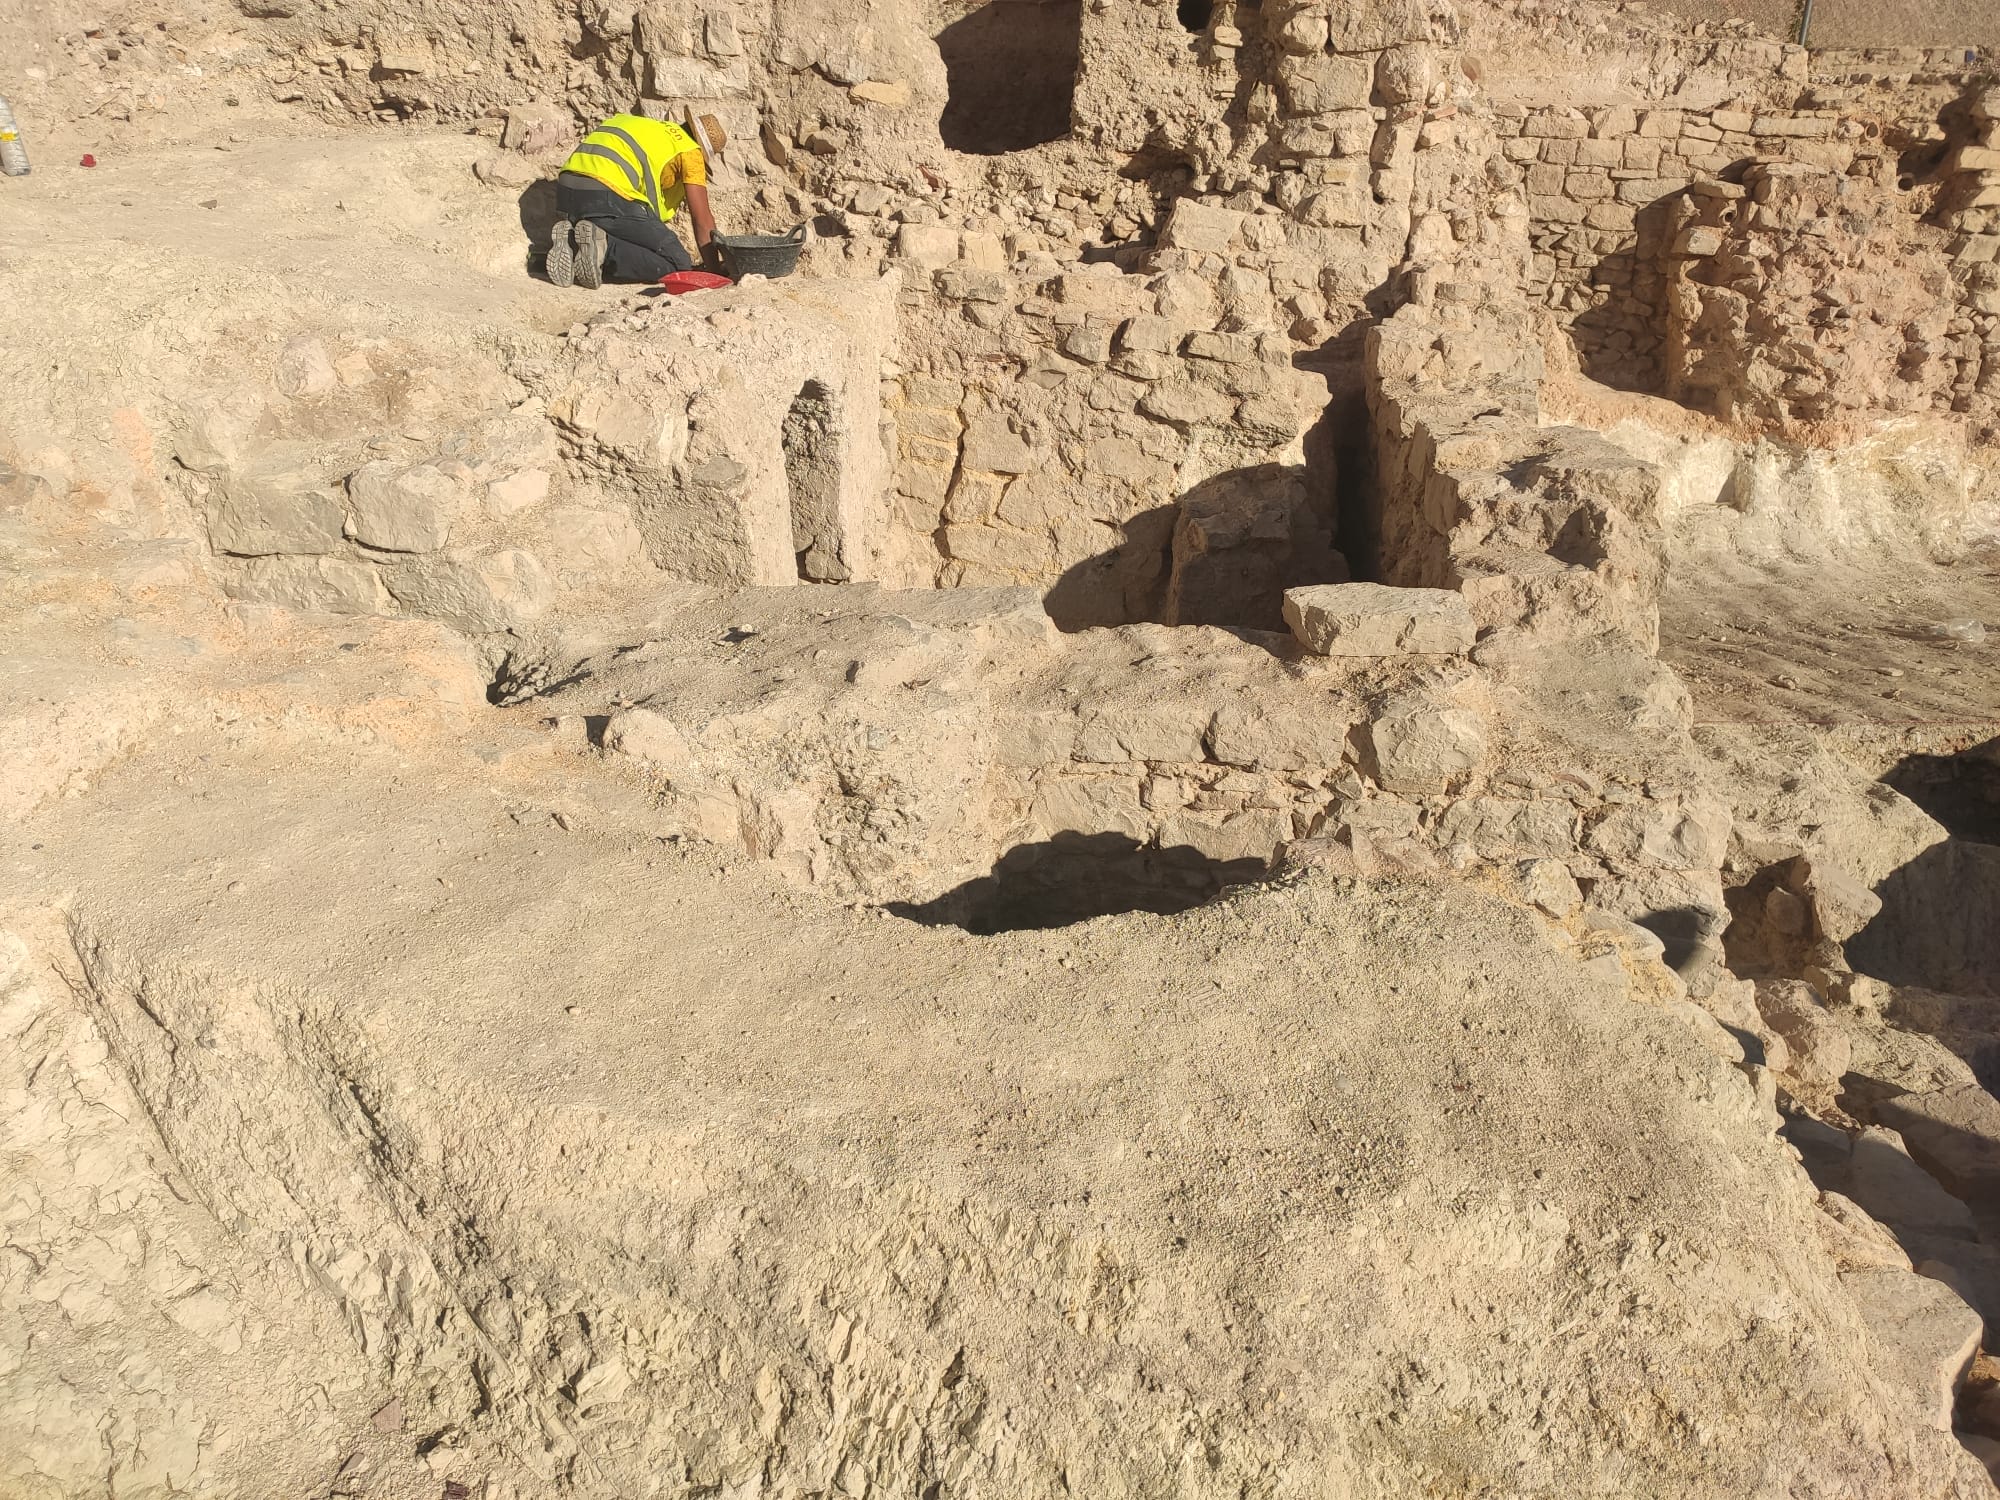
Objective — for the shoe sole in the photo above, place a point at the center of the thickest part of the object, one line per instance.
(561, 264)
(589, 241)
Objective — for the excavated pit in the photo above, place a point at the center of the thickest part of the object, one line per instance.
(505, 781)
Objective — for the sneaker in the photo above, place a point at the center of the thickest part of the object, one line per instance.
(561, 264)
(590, 248)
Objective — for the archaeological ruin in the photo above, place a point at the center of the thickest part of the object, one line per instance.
(1286, 784)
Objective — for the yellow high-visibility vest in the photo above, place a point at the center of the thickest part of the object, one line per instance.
(648, 161)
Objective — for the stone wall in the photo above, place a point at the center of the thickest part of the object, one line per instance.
(1049, 428)
(1606, 185)
(1548, 530)
(663, 437)
(1174, 372)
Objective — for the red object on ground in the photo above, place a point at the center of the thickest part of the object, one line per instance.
(89, 160)
(692, 281)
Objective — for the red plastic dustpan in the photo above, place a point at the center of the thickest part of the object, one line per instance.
(692, 281)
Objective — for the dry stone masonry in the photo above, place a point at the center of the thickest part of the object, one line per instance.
(783, 892)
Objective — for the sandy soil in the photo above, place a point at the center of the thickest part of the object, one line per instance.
(1852, 650)
(654, 1144)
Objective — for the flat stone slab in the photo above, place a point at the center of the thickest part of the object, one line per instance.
(1925, 1336)
(1372, 619)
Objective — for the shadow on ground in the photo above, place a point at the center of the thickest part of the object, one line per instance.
(1074, 877)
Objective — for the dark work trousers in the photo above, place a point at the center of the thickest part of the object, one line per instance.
(640, 248)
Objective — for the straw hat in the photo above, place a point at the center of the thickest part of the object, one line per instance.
(708, 134)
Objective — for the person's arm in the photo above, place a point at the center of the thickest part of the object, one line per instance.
(704, 222)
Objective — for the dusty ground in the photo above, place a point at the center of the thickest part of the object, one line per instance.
(1847, 649)
(1054, 1186)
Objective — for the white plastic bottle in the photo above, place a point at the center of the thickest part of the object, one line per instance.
(13, 155)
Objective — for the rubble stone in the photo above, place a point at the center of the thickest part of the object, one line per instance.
(1924, 1337)
(395, 509)
(1417, 746)
(275, 505)
(1371, 619)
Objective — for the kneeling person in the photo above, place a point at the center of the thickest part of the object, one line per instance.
(618, 194)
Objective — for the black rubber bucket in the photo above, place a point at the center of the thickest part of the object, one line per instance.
(761, 254)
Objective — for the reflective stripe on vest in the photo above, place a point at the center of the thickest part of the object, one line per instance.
(614, 143)
(652, 186)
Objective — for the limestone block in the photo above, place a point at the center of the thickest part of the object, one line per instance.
(1225, 348)
(1304, 32)
(646, 734)
(1419, 746)
(1793, 127)
(1372, 619)
(982, 250)
(678, 78)
(892, 94)
(1089, 804)
(998, 547)
(1698, 241)
(312, 585)
(304, 369)
(1955, 1133)
(397, 509)
(504, 170)
(1555, 126)
(1644, 190)
(1200, 227)
(1183, 404)
(498, 591)
(1337, 208)
(275, 505)
(1924, 1337)
(1184, 297)
(1884, 1180)
(584, 539)
(516, 493)
(1404, 74)
(1670, 834)
(1374, 25)
(974, 498)
(1237, 543)
(534, 128)
(1840, 905)
(995, 448)
(1259, 737)
(932, 245)
(217, 434)
(1306, 138)
(1033, 738)
(1321, 85)
(1089, 342)
(1254, 833)
(1144, 731)
(627, 424)
(1548, 884)
(1819, 1048)
(1496, 826)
